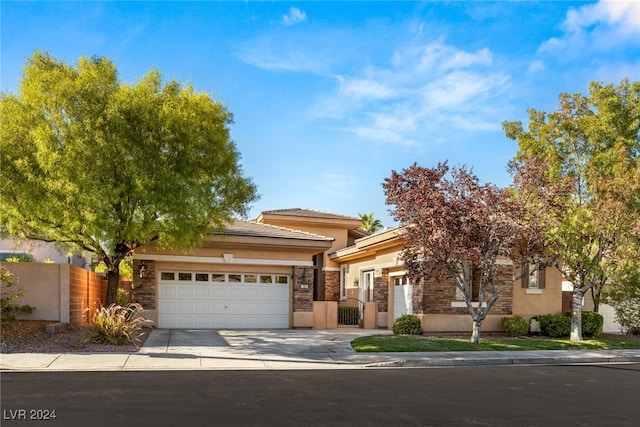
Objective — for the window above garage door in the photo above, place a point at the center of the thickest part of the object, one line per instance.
(173, 276)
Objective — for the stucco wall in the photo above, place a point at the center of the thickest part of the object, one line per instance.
(60, 292)
(42, 286)
(530, 302)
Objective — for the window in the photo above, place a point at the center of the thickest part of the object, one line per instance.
(250, 278)
(185, 276)
(466, 272)
(217, 277)
(235, 278)
(202, 277)
(343, 281)
(282, 280)
(534, 277)
(266, 279)
(165, 275)
(400, 280)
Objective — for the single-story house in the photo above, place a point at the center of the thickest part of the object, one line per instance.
(272, 271)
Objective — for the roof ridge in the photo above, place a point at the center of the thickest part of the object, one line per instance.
(307, 233)
(311, 210)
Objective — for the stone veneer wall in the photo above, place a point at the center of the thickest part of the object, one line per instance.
(381, 291)
(144, 289)
(331, 285)
(302, 297)
(439, 292)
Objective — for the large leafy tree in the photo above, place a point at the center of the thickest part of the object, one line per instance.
(578, 170)
(104, 166)
(455, 225)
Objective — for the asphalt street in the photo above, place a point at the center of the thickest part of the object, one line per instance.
(563, 395)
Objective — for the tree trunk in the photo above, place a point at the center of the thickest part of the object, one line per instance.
(576, 315)
(475, 335)
(113, 278)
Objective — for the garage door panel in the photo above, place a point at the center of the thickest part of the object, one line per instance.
(202, 307)
(201, 292)
(235, 292)
(168, 291)
(217, 292)
(185, 292)
(184, 307)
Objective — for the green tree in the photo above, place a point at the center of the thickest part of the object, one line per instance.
(369, 223)
(578, 168)
(104, 166)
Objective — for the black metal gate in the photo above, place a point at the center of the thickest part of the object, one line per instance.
(350, 313)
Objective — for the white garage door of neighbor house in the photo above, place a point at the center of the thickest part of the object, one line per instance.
(223, 300)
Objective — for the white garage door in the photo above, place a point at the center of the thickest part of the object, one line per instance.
(223, 300)
(402, 296)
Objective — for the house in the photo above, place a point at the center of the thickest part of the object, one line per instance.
(41, 252)
(286, 266)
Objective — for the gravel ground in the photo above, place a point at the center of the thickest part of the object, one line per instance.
(31, 336)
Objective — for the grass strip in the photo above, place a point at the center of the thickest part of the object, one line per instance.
(407, 343)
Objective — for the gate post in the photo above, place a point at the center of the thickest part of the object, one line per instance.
(325, 315)
(370, 320)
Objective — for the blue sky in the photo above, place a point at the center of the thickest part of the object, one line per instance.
(330, 97)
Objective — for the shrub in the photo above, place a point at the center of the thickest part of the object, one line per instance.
(9, 298)
(348, 315)
(17, 257)
(123, 298)
(555, 325)
(515, 326)
(407, 324)
(592, 323)
(626, 302)
(116, 324)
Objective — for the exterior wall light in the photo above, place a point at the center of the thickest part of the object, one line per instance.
(143, 270)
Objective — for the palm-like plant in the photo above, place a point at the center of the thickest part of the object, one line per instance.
(369, 223)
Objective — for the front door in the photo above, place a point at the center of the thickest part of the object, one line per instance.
(366, 291)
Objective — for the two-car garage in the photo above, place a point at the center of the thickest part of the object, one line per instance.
(223, 300)
(248, 276)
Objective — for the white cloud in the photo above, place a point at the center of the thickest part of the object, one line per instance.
(599, 26)
(424, 89)
(294, 16)
(536, 66)
(364, 88)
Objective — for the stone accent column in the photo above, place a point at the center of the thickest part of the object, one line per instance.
(331, 285)
(302, 289)
(381, 291)
(144, 289)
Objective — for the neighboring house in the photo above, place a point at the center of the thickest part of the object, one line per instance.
(267, 273)
(41, 252)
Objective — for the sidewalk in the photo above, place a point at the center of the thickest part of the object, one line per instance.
(284, 349)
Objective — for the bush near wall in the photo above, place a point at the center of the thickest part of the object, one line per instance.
(592, 323)
(515, 326)
(407, 324)
(555, 325)
(559, 325)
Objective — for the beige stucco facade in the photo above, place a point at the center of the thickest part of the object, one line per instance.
(329, 261)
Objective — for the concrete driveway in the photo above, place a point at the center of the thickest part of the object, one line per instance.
(229, 349)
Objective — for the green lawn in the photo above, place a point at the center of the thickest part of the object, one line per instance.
(402, 343)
